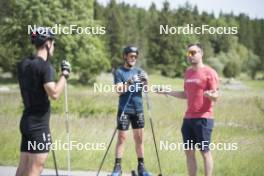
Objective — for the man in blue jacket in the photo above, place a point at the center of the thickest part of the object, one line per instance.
(130, 81)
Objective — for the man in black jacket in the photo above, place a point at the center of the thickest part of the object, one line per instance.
(37, 84)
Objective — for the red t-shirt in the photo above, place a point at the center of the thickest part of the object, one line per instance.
(195, 83)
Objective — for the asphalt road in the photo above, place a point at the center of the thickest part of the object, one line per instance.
(11, 170)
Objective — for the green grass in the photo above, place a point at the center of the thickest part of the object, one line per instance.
(239, 119)
(257, 84)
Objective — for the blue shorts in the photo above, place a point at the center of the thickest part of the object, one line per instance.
(196, 133)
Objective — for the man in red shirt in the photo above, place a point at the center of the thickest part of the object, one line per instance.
(201, 91)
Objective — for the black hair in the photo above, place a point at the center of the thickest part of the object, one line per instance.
(43, 45)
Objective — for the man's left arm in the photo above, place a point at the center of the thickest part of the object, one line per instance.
(143, 76)
(213, 83)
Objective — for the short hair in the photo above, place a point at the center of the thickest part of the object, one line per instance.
(196, 44)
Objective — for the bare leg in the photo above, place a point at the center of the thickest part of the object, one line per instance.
(208, 163)
(122, 135)
(36, 163)
(138, 138)
(191, 162)
(23, 164)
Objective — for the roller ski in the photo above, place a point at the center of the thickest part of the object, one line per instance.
(117, 171)
(116, 174)
(141, 171)
(145, 173)
(133, 173)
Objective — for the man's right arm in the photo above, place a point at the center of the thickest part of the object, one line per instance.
(121, 88)
(55, 89)
(177, 94)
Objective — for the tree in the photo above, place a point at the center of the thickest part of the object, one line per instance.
(15, 42)
(115, 37)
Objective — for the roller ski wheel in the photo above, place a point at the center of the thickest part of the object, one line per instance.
(144, 173)
(116, 173)
(133, 173)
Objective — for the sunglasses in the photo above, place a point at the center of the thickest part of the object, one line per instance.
(133, 56)
(191, 53)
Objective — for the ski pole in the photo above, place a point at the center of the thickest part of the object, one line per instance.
(67, 128)
(112, 138)
(55, 162)
(153, 133)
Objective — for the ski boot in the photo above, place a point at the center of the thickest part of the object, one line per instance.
(142, 171)
(117, 171)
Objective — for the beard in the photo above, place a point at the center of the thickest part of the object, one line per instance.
(193, 61)
(130, 64)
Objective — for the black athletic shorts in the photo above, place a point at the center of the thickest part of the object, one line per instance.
(123, 121)
(37, 142)
(197, 132)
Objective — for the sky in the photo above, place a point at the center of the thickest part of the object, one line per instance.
(253, 8)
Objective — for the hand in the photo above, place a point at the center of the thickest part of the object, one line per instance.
(65, 68)
(158, 90)
(143, 77)
(161, 91)
(134, 79)
(211, 94)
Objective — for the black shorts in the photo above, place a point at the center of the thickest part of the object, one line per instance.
(123, 121)
(37, 142)
(196, 133)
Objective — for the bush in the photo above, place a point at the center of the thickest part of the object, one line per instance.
(231, 69)
(216, 64)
